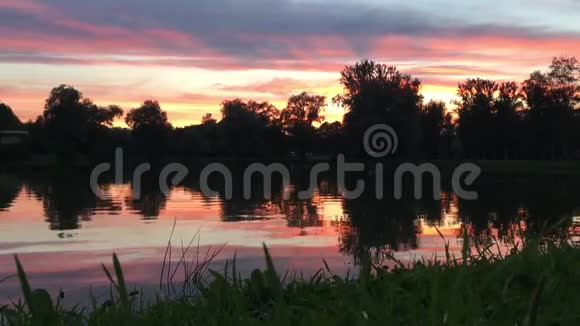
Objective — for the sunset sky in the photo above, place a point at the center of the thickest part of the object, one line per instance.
(190, 55)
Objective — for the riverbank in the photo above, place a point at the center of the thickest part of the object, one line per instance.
(521, 167)
(535, 285)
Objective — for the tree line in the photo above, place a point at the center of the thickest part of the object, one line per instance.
(538, 118)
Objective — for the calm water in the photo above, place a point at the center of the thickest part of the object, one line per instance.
(62, 232)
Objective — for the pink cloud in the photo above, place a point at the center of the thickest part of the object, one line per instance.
(440, 61)
(23, 5)
(280, 87)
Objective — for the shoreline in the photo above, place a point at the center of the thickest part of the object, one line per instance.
(520, 167)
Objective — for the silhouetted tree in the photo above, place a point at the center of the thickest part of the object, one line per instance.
(67, 105)
(375, 93)
(540, 119)
(249, 128)
(150, 128)
(507, 127)
(490, 119)
(475, 111)
(38, 135)
(200, 140)
(436, 127)
(8, 120)
(302, 111)
(297, 118)
(208, 119)
(331, 137)
(329, 130)
(71, 119)
(149, 114)
(263, 110)
(552, 99)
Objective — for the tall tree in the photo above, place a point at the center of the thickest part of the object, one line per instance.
(72, 119)
(302, 111)
(249, 128)
(375, 93)
(475, 110)
(552, 100)
(66, 108)
(263, 110)
(150, 127)
(437, 129)
(507, 128)
(149, 114)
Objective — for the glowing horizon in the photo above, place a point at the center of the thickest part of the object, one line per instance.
(190, 56)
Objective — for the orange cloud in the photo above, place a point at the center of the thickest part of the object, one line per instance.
(440, 60)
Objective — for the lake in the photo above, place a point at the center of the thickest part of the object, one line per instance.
(62, 232)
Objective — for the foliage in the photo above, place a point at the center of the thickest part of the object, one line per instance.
(150, 128)
(8, 120)
(553, 99)
(376, 93)
(533, 284)
(71, 119)
(249, 128)
(486, 106)
(208, 119)
(302, 111)
(437, 128)
(537, 119)
(149, 114)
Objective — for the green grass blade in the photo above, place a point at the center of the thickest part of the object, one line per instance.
(532, 314)
(271, 275)
(25, 286)
(109, 275)
(465, 251)
(121, 285)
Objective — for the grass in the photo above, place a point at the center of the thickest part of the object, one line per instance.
(537, 283)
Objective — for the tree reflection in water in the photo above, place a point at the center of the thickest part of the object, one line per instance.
(368, 229)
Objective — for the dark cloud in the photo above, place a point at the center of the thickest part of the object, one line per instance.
(248, 31)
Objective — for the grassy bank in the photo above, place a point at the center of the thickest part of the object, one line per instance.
(538, 284)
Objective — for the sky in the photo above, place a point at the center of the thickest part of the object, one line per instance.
(191, 55)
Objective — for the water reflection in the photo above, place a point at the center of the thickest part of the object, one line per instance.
(65, 198)
(151, 201)
(364, 228)
(9, 188)
(531, 205)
